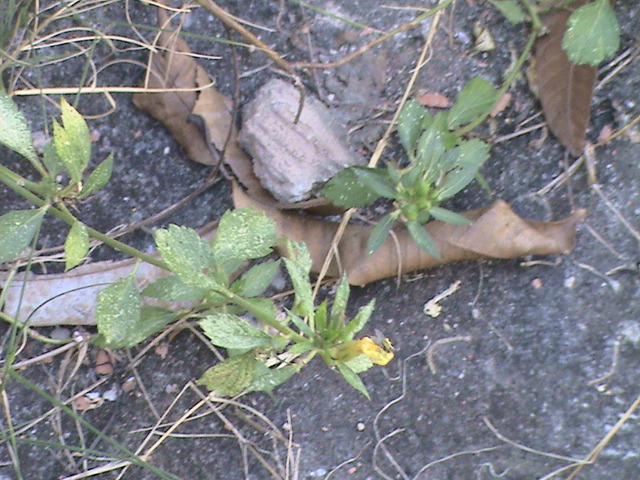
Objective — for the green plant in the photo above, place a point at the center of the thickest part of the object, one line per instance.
(592, 34)
(440, 165)
(207, 274)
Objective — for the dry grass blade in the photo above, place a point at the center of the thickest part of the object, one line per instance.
(497, 232)
(565, 89)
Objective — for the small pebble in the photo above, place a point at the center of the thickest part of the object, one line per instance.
(360, 426)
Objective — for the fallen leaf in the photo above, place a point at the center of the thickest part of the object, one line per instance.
(501, 105)
(171, 66)
(565, 89)
(104, 362)
(434, 100)
(497, 232)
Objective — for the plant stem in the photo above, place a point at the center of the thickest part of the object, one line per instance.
(260, 315)
(17, 183)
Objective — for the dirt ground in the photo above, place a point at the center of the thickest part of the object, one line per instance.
(532, 362)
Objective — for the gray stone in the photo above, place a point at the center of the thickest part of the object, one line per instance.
(291, 159)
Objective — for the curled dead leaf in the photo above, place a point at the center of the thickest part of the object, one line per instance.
(497, 232)
(171, 67)
(564, 89)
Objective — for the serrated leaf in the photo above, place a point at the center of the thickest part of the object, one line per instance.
(347, 190)
(455, 181)
(467, 154)
(152, 320)
(593, 34)
(430, 150)
(298, 266)
(510, 9)
(448, 216)
(76, 245)
(118, 312)
(188, 256)
(477, 97)
(231, 331)
(410, 122)
(300, 324)
(51, 160)
(339, 306)
(14, 129)
(320, 316)
(98, 178)
(172, 289)
(358, 322)
(256, 280)
(72, 141)
(17, 229)
(353, 379)
(359, 364)
(380, 232)
(230, 377)
(422, 238)
(377, 180)
(243, 234)
(266, 379)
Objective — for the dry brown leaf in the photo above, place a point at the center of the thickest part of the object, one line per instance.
(497, 232)
(433, 99)
(172, 67)
(565, 89)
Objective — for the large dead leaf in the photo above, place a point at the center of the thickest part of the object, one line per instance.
(497, 232)
(565, 89)
(172, 67)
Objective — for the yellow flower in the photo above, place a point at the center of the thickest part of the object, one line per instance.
(379, 351)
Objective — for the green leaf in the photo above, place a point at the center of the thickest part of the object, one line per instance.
(410, 123)
(422, 238)
(300, 324)
(473, 152)
(14, 129)
(172, 289)
(266, 379)
(510, 9)
(230, 377)
(187, 255)
(17, 229)
(320, 316)
(455, 181)
(353, 379)
(359, 364)
(51, 160)
(476, 98)
(72, 140)
(299, 266)
(358, 322)
(265, 306)
(377, 180)
(448, 216)
(339, 306)
(98, 178)
(379, 233)
(256, 280)
(300, 348)
(118, 312)
(346, 189)
(231, 331)
(430, 150)
(76, 246)
(243, 234)
(152, 320)
(593, 33)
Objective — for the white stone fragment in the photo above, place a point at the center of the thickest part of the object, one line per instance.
(291, 159)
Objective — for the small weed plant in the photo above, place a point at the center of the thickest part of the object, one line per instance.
(266, 343)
